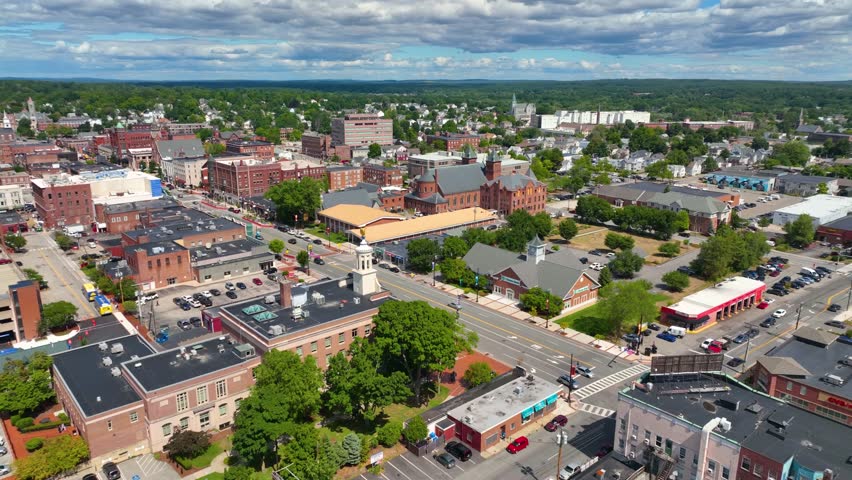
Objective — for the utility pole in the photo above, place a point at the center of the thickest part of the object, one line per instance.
(849, 297)
(570, 377)
(476, 285)
(748, 344)
(561, 439)
(799, 314)
(434, 259)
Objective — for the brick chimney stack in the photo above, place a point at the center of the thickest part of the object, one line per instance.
(284, 288)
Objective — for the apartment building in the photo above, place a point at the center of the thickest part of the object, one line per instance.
(343, 176)
(378, 174)
(361, 129)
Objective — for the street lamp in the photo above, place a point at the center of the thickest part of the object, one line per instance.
(434, 261)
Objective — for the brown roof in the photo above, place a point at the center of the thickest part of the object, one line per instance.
(426, 224)
(357, 215)
(783, 366)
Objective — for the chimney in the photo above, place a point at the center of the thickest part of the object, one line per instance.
(284, 287)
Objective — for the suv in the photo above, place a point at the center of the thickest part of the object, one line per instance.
(459, 450)
(229, 286)
(111, 471)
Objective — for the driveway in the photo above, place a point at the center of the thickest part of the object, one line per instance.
(145, 467)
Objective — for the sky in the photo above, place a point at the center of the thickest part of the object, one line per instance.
(432, 39)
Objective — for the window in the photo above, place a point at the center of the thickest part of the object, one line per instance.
(659, 441)
(327, 358)
(204, 419)
(789, 385)
(237, 403)
(327, 342)
(746, 465)
(341, 338)
(221, 388)
(758, 469)
(171, 280)
(681, 453)
(647, 435)
(622, 424)
(182, 402)
(726, 473)
(223, 409)
(367, 331)
(803, 390)
(711, 468)
(167, 429)
(313, 347)
(299, 351)
(184, 423)
(354, 332)
(134, 417)
(109, 425)
(201, 395)
(621, 444)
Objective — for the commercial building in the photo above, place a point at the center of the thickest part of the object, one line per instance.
(361, 129)
(12, 222)
(20, 308)
(516, 191)
(822, 208)
(511, 275)
(122, 138)
(158, 264)
(172, 130)
(455, 141)
(183, 162)
(378, 174)
(695, 422)
(419, 163)
(572, 118)
(713, 304)
(806, 185)
(743, 179)
(432, 224)
(226, 260)
(483, 422)
(236, 178)
(804, 372)
(15, 196)
(838, 231)
(343, 176)
(255, 148)
(343, 217)
(123, 217)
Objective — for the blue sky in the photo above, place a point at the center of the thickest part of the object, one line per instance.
(438, 39)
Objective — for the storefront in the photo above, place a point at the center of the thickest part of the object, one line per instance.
(715, 304)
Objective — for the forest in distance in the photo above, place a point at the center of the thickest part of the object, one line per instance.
(673, 100)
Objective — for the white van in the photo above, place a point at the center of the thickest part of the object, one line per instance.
(677, 331)
(775, 197)
(809, 271)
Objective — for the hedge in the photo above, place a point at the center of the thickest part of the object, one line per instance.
(42, 426)
(34, 444)
(24, 422)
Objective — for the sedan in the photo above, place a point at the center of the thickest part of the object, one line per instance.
(394, 269)
(763, 305)
(241, 285)
(518, 444)
(584, 260)
(834, 307)
(666, 336)
(229, 286)
(257, 281)
(779, 313)
(216, 292)
(775, 273)
(319, 261)
(231, 294)
(585, 371)
(558, 421)
(768, 322)
(735, 362)
(706, 343)
(568, 382)
(654, 327)
(445, 459)
(741, 338)
(292, 241)
(317, 241)
(185, 306)
(836, 324)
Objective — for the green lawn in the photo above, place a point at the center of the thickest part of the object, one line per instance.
(213, 476)
(588, 320)
(319, 231)
(202, 460)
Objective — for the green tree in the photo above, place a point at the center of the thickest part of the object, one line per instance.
(239, 472)
(130, 306)
(545, 303)
(602, 179)
(125, 288)
(764, 222)
(420, 338)
(759, 143)
(592, 209)
(800, 232)
(214, 148)
(352, 446)
(25, 385)
(415, 430)
(477, 374)
(297, 197)
(626, 304)
(709, 165)
(659, 170)
(822, 189)
(25, 128)
(276, 246)
(568, 229)
(33, 275)
(308, 454)
(286, 392)
(793, 153)
(187, 444)
(57, 315)
(204, 134)
(453, 270)
(677, 157)
(389, 434)
(303, 258)
(615, 241)
(626, 264)
(421, 253)
(374, 151)
(454, 247)
(669, 249)
(58, 456)
(605, 276)
(676, 281)
(64, 242)
(681, 221)
(472, 236)
(15, 241)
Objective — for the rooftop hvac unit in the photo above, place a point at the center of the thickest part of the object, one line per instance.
(725, 425)
(117, 348)
(137, 364)
(269, 299)
(356, 300)
(296, 313)
(115, 372)
(276, 330)
(306, 313)
(103, 346)
(107, 361)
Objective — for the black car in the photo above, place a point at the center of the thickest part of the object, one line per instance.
(835, 324)
(584, 260)
(753, 332)
(394, 269)
(654, 326)
(459, 450)
(292, 241)
(735, 362)
(834, 307)
(177, 300)
(231, 294)
(278, 257)
(594, 252)
(797, 285)
(768, 322)
(215, 292)
(282, 228)
(823, 270)
(317, 241)
(197, 296)
(185, 306)
(195, 321)
(111, 471)
(685, 269)
(241, 285)
(776, 292)
(780, 259)
(786, 279)
(205, 301)
(319, 261)
(270, 270)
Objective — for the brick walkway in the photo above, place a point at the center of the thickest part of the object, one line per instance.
(463, 362)
(17, 440)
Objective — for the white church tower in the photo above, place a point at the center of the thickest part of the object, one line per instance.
(364, 279)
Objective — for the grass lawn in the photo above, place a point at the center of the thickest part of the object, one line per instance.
(202, 460)
(594, 239)
(336, 430)
(213, 476)
(588, 320)
(319, 231)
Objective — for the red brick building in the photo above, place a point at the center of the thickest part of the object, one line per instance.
(382, 176)
(445, 189)
(25, 302)
(343, 176)
(136, 136)
(159, 264)
(316, 145)
(393, 201)
(455, 141)
(7, 135)
(838, 231)
(28, 153)
(255, 148)
(59, 205)
(514, 192)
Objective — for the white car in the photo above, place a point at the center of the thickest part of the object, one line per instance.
(596, 266)
(706, 343)
(610, 255)
(769, 300)
(585, 371)
(230, 286)
(195, 303)
(779, 313)
(207, 294)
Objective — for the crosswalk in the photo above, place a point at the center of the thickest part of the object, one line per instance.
(595, 410)
(609, 381)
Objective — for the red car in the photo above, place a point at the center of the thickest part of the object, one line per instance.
(558, 421)
(5, 261)
(519, 444)
(763, 305)
(257, 281)
(775, 273)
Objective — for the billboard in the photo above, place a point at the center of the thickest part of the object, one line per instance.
(697, 363)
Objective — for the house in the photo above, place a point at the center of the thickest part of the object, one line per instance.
(678, 171)
(694, 168)
(512, 275)
(806, 185)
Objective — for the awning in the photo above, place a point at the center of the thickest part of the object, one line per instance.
(687, 320)
(540, 405)
(527, 413)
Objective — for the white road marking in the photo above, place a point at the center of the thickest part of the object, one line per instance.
(398, 470)
(537, 347)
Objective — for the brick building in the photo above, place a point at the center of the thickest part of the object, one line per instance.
(25, 307)
(59, 205)
(507, 193)
(316, 145)
(838, 231)
(255, 148)
(343, 176)
(446, 189)
(135, 136)
(243, 177)
(455, 141)
(26, 153)
(383, 176)
(159, 264)
(361, 129)
(392, 201)
(124, 217)
(7, 135)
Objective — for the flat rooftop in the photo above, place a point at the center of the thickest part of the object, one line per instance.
(219, 251)
(157, 248)
(754, 418)
(819, 359)
(709, 298)
(498, 405)
(9, 218)
(661, 187)
(177, 230)
(358, 215)
(613, 464)
(819, 205)
(88, 373)
(321, 302)
(154, 204)
(425, 224)
(171, 367)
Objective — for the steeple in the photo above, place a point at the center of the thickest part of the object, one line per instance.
(535, 250)
(364, 279)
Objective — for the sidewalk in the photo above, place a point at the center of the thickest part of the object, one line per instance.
(562, 408)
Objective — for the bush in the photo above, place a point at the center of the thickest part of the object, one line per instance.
(24, 422)
(676, 281)
(416, 430)
(14, 419)
(63, 417)
(477, 374)
(42, 426)
(389, 434)
(34, 444)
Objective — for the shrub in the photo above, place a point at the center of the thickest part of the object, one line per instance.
(63, 417)
(24, 422)
(477, 374)
(416, 430)
(34, 444)
(42, 426)
(14, 419)
(389, 434)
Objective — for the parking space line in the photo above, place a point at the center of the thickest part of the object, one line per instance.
(418, 468)
(400, 471)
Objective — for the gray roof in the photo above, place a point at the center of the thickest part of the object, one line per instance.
(348, 197)
(844, 223)
(435, 198)
(181, 148)
(691, 203)
(489, 260)
(808, 128)
(808, 179)
(459, 178)
(514, 181)
(554, 277)
(817, 353)
(815, 335)
(783, 366)
(618, 191)
(157, 248)
(657, 187)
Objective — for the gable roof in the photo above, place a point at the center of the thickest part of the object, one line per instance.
(357, 196)
(783, 366)
(180, 148)
(459, 178)
(556, 278)
(514, 181)
(691, 203)
(489, 260)
(358, 215)
(616, 191)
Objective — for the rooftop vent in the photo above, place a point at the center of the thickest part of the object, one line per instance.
(115, 372)
(221, 348)
(244, 350)
(117, 348)
(318, 298)
(518, 390)
(725, 425)
(709, 406)
(754, 407)
(276, 330)
(356, 300)
(107, 361)
(137, 364)
(297, 312)
(103, 346)
(730, 405)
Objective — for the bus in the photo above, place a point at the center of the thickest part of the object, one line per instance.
(90, 291)
(103, 305)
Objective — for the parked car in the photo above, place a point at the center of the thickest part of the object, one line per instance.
(319, 261)
(257, 281)
(741, 338)
(394, 269)
(735, 362)
(459, 450)
(195, 321)
(768, 322)
(90, 476)
(558, 421)
(446, 460)
(518, 444)
(5, 470)
(568, 382)
(706, 343)
(317, 241)
(752, 332)
(775, 273)
(779, 313)
(291, 241)
(596, 266)
(231, 294)
(216, 292)
(584, 260)
(185, 306)
(603, 451)
(654, 326)
(195, 303)
(241, 285)
(763, 305)
(630, 338)
(229, 286)
(776, 292)
(111, 471)
(834, 307)
(205, 301)
(207, 294)
(836, 324)
(685, 269)
(666, 336)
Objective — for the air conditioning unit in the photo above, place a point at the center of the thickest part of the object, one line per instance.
(631, 455)
(647, 441)
(633, 437)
